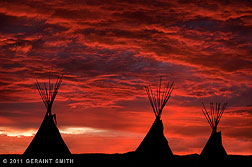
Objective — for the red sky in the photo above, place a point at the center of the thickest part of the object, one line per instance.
(108, 52)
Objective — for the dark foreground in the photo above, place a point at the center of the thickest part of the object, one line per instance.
(120, 160)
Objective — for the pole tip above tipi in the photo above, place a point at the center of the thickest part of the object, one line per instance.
(214, 114)
(160, 96)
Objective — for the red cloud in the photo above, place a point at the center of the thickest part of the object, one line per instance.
(109, 51)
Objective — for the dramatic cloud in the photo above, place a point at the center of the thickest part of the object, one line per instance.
(108, 52)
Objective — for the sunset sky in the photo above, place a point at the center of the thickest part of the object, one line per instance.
(107, 53)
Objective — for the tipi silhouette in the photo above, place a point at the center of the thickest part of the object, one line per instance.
(214, 148)
(155, 144)
(48, 140)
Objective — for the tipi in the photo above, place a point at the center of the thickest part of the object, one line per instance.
(155, 144)
(48, 140)
(214, 148)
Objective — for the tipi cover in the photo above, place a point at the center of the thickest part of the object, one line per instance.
(214, 147)
(155, 142)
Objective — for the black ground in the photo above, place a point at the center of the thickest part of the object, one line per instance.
(120, 160)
